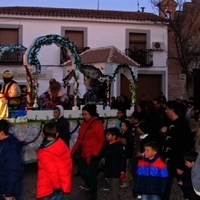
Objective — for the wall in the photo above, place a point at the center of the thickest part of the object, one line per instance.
(100, 33)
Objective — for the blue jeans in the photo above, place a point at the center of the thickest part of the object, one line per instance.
(54, 196)
(150, 197)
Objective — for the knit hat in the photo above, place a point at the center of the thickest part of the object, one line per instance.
(7, 74)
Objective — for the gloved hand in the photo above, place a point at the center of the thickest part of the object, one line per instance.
(93, 157)
(122, 176)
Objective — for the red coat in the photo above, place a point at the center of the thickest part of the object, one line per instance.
(54, 168)
(93, 141)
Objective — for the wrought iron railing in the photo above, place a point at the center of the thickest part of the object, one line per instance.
(142, 56)
(10, 58)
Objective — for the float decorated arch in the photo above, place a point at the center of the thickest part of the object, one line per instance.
(34, 66)
(132, 76)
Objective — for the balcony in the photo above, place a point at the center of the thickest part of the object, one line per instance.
(144, 57)
(10, 58)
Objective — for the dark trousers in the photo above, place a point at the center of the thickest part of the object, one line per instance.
(88, 172)
(169, 185)
(54, 196)
(114, 185)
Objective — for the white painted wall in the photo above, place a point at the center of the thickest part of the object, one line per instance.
(100, 33)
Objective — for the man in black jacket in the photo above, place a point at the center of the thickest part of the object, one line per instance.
(176, 142)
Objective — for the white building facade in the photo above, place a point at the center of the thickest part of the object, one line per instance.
(89, 28)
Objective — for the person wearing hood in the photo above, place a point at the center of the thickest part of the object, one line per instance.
(11, 164)
(121, 115)
(115, 161)
(62, 124)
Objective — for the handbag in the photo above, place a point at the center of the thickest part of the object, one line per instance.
(77, 153)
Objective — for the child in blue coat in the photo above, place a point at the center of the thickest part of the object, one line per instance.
(152, 175)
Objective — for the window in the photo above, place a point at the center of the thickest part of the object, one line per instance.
(76, 34)
(10, 36)
(137, 41)
(168, 15)
(137, 49)
(137, 44)
(76, 37)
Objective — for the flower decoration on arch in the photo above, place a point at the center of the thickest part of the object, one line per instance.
(13, 48)
(48, 40)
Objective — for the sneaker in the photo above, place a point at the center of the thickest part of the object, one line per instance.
(123, 185)
(139, 197)
(106, 187)
(84, 187)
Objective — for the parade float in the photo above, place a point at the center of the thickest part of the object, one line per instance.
(27, 122)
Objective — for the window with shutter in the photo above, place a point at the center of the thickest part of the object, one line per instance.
(137, 49)
(78, 38)
(137, 41)
(7, 37)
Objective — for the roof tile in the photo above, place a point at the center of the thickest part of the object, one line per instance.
(108, 54)
(79, 13)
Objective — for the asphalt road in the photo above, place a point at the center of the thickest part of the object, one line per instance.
(78, 194)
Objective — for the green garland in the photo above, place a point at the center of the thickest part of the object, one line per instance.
(133, 85)
(123, 66)
(48, 40)
(13, 48)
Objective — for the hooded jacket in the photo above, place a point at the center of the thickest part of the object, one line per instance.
(62, 125)
(54, 168)
(11, 167)
(93, 139)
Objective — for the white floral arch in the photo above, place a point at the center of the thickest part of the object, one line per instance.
(34, 66)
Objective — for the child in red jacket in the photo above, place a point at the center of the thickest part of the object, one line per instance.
(54, 166)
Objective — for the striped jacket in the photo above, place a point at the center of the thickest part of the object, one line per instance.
(152, 176)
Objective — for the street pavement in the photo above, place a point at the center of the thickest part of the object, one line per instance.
(78, 194)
